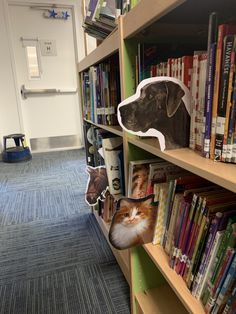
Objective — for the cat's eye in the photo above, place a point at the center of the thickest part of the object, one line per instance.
(139, 212)
(126, 215)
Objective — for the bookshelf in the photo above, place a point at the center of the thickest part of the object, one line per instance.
(146, 268)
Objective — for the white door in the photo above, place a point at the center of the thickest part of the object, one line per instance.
(44, 53)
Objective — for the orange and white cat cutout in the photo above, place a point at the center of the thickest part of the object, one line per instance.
(160, 108)
(97, 184)
(133, 223)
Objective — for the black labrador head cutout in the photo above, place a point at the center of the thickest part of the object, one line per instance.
(160, 108)
(97, 184)
(133, 223)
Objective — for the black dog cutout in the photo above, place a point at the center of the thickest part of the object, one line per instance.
(159, 108)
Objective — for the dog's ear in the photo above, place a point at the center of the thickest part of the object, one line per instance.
(174, 98)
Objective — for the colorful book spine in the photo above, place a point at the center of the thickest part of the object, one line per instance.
(174, 214)
(229, 104)
(209, 100)
(231, 300)
(230, 253)
(227, 287)
(205, 258)
(211, 55)
(213, 253)
(159, 228)
(228, 234)
(223, 30)
(221, 110)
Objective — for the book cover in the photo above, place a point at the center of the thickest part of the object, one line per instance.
(200, 103)
(212, 306)
(229, 101)
(138, 177)
(111, 148)
(232, 114)
(223, 30)
(159, 227)
(211, 55)
(221, 109)
(228, 234)
(213, 252)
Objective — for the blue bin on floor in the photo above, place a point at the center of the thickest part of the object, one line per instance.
(18, 153)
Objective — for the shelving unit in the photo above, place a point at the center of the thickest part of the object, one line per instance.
(146, 268)
(115, 129)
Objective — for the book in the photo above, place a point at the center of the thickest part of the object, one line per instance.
(159, 227)
(212, 306)
(232, 110)
(194, 90)
(223, 30)
(205, 258)
(221, 109)
(228, 237)
(200, 103)
(138, 177)
(158, 172)
(210, 73)
(213, 252)
(111, 149)
(229, 102)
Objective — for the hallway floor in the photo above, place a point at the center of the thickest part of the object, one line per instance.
(53, 257)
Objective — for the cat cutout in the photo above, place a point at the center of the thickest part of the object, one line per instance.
(133, 223)
(97, 184)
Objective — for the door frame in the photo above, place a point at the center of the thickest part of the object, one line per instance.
(77, 19)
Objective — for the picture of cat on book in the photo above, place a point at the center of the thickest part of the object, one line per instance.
(133, 223)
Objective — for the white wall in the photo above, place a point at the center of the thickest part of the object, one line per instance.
(10, 118)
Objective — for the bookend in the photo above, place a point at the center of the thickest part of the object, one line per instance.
(97, 185)
(160, 108)
(133, 223)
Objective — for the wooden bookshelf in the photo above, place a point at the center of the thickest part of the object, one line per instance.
(148, 14)
(174, 21)
(115, 129)
(160, 259)
(104, 50)
(154, 301)
(122, 257)
(220, 173)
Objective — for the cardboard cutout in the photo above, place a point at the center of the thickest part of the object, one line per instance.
(133, 223)
(159, 108)
(97, 184)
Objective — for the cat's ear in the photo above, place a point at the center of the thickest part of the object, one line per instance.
(149, 200)
(124, 202)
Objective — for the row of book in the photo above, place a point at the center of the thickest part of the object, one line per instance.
(101, 16)
(106, 149)
(101, 92)
(210, 76)
(196, 225)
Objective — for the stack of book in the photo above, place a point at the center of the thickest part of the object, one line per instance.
(196, 225)
(210, 76)
(101, 92)
(101, 16)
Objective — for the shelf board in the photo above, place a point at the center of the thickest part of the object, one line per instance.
(108, 47)
(160, 300)
(160, 259)
(218, 172)
(122, 257)
(149, 13)
(115, 129)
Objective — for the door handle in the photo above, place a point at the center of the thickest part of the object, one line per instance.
(25, 93)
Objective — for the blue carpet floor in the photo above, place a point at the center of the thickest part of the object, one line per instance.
(53, 257)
